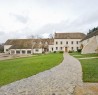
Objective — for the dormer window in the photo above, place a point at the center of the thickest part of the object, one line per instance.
(34, 42)
(40, 42)
(46, 42)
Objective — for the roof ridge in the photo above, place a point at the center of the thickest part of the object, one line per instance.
(69, 32)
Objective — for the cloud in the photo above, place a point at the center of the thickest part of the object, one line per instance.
(2, 33)
(80, 24)
(21, 18)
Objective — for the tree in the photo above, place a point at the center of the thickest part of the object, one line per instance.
(1, 48)
(31, 37)
(92, 30)
(51, 36)
(35, 37)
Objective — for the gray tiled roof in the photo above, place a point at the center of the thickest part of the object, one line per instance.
(29, 43)
(69, 35)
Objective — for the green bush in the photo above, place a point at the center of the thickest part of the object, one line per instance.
(43, 52)
(54, 52)
(70, 51)
(60, 51)
(79, 50)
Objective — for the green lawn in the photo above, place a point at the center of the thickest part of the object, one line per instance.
(90, 70)
(16, 69)
(75, 53)
(79, 55)
(89, 67)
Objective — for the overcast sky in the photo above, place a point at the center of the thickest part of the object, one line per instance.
(22, 18)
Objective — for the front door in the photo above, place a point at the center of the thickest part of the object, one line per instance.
(66, 49)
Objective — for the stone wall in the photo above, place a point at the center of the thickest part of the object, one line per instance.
(91, 46)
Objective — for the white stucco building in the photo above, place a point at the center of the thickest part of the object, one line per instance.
(61, 42)
(67, 41)
(90, 43)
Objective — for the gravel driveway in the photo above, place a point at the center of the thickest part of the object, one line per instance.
(60, 80)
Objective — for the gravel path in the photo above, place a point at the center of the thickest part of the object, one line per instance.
(60, 80)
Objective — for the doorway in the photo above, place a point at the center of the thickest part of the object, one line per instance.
(66, 49)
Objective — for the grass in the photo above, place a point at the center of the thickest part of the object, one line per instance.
(89, 67)
(16, 69)
(75, 53)
(90, 70)
(83, 55)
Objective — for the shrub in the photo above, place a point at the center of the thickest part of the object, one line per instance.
(79, 50)
(43, 52)
(54, 51)
(70, 51)
(60, 51)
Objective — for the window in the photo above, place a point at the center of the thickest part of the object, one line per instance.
(71, 48)
(23, 51)
(60, 48)
(77, 42)
(29, 52)
(52, 49)
(36, 50)
(17, 52)
(71, 42)
(7, 49)
(56, 43)
(61, 42)
(67, 42)
(56, 48)
(77, 48)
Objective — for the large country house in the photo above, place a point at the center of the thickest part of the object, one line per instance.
(90, 43)
(61, 42)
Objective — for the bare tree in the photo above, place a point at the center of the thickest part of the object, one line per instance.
(38, 36)
(51, 35)
(35, 36)
(31, 36)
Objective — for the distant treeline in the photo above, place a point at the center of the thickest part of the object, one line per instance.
(92, 30)
(1, 48)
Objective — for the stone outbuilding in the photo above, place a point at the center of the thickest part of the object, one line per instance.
(27, 46)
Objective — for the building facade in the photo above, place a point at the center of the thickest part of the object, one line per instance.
(67, 42)
(27, 46)
(61, 42)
